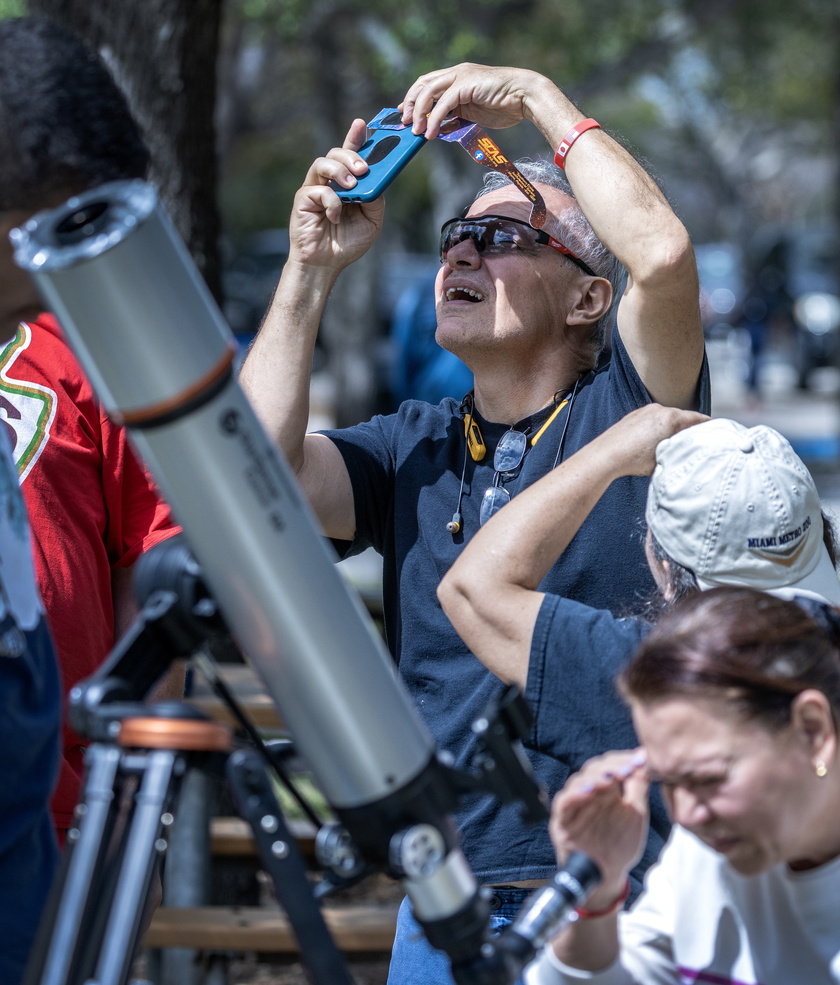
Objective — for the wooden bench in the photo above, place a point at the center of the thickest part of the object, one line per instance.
(357, 928)
(249, 692)
(231, 836)
(361, 928)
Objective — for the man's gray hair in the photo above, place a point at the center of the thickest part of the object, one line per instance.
(577, 234)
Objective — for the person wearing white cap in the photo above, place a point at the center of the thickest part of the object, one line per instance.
(736, 506)
(727, 505)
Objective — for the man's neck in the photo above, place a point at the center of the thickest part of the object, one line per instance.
(506, 397)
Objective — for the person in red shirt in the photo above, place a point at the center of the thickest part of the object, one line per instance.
(65, 127)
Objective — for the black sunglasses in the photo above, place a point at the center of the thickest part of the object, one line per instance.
(495, 234)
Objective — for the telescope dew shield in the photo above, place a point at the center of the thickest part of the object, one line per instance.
(144, 313)
(159, 354)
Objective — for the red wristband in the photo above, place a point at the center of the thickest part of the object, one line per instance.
(616, 904)
(571, 137)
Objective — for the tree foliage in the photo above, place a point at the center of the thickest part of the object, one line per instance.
(163, 55)
(736, 101)
(679, 78)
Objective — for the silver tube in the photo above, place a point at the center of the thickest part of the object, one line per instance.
(155, 347)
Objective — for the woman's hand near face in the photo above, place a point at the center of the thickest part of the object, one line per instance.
(603, 811)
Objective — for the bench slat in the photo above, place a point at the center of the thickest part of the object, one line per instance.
(233, 836)
(242, 928)
(250, 694)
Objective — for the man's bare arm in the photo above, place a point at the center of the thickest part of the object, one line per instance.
(490, 593)
(325, 237)
(659, 314)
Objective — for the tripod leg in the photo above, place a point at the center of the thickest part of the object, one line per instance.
(132, 888)
(70, 912)
(186, 874)
(282, 860)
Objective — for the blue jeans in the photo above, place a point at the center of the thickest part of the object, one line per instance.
(413, 959)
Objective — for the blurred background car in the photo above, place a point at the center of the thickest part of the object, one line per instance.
(813, 283)
(249, 276)
(408, 362)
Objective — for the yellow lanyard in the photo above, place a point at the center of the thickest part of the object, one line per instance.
(475, 439)
(551, 417)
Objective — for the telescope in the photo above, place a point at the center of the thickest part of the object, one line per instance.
(160, 356)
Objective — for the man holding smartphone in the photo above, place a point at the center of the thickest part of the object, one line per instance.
(527, 306)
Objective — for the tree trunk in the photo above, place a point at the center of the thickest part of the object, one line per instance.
(163, 53)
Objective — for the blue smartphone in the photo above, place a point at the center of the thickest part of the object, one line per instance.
(387, 151)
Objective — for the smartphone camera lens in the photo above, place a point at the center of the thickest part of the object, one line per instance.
(382, 149)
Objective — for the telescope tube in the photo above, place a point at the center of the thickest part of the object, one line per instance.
(160, 356)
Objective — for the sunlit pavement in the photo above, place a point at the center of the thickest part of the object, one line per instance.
(809, 419)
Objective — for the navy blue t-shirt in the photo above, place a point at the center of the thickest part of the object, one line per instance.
(30, 702)
(405, 469)
(573, 697)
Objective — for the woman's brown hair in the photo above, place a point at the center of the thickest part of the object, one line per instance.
(751, 650)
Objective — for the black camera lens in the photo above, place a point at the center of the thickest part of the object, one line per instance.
(382, 149)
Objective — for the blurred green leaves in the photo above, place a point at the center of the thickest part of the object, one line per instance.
(12, 8)
(698, 86)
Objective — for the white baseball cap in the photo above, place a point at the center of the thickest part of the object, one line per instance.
(737, 506)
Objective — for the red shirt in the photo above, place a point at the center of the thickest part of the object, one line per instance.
(92, 508)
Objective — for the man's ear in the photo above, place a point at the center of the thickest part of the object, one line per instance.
(593, 302)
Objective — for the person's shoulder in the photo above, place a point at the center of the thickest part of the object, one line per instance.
(47, 336)
(421, 418)
(580, 612)
(45, 356)
(423, 410)
(614, 358)
(562, 620)
(46, 327)
(398, 433)
(407, 413)
(610, 390)
(47, 322)
(688, 854)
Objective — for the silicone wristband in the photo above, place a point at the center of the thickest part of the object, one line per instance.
(584, 914)
(571, 137)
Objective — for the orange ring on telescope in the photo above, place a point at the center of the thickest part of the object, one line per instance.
(174, 733)
(135, 418)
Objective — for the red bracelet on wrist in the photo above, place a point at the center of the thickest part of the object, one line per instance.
(571, 137)
(584, 914)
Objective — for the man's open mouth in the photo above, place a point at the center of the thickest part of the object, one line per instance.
(463, 294)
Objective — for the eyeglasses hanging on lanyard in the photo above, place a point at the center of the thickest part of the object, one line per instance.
(506, 459)
(509, 455)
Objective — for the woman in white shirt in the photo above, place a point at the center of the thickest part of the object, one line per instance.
(735, 697)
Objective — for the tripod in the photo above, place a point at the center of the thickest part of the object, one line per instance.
(139, 759)
(136, 766)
